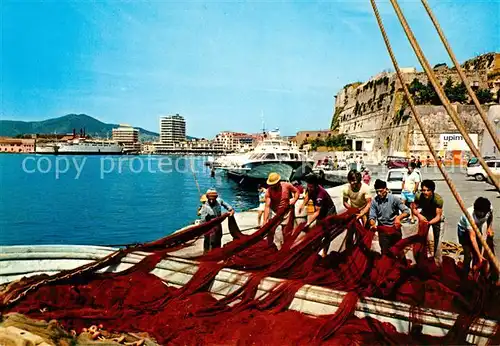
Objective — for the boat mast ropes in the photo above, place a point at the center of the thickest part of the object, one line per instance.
(439, 90)
(471, 93)
(421, 126)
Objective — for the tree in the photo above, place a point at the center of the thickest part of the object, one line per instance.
(484, 96)
(459, 93)
(448, 87)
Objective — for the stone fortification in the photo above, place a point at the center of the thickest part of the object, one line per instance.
(376, 110)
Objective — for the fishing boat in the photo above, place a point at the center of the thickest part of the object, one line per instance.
(24, 261)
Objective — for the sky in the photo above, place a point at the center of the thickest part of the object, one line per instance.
(224, 66)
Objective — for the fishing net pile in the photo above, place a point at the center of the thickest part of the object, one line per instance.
(136, 300)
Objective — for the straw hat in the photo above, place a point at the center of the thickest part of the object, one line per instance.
(203, 198)
(273, 178)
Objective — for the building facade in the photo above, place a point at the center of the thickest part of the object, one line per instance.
(128, 137)
(172, 130)
(302, 137)
(16, 145)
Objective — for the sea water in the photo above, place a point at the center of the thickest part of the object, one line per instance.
(104, 200)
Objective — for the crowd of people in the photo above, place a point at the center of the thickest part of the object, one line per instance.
(383, 213)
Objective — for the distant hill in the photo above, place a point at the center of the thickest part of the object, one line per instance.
(66, 124)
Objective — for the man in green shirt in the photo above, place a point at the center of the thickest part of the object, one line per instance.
(431, 211)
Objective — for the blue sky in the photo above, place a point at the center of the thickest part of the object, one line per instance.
(219, 64)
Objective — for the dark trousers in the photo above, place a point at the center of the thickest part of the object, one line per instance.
(386, 241)
(213, 240)
(469, 254)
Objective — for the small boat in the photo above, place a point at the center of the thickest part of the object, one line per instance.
(24, 261)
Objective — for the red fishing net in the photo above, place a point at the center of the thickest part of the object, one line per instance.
(135, 300)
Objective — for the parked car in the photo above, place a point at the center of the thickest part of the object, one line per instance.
(395, 177)
(473, 161)
(476, 170)
(397, 162)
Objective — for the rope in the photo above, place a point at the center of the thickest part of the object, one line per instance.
(439, 90)
(194, 176)
(471, 93)
(447, 178)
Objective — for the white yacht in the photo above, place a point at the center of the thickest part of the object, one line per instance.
(270, 155)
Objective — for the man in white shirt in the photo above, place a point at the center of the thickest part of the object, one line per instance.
(411, 181)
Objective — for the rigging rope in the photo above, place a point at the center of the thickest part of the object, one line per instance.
(420, 124)
(439, 90)
(471, 93)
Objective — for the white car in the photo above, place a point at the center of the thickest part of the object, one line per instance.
(476, 170)
(395, 177)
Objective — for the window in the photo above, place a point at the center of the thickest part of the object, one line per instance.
(270, 156)
(283, 156)
(395, 176)
(491, 163)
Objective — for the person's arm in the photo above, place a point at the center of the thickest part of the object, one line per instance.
(473, 240)
(366, 208)
(315, 215)
(437, 218)
(204, 212)
(414, 209)
(489, 225)
(267, 209)
(227, 207)
(295, 193)
(373, 215)
(345, 197)
(417, 182)
(304, 203)
(405, 212)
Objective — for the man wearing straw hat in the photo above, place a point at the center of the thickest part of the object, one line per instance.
(210, 210)
(278, 197)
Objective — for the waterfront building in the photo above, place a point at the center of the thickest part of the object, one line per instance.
(172, 130)
(233, 141)
(17, 145)
(128, 137)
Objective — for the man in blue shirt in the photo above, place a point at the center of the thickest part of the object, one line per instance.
(210, 210)
(385, 211)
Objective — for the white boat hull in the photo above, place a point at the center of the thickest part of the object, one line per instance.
(20, 261)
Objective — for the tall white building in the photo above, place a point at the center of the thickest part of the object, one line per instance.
(172, 130)
(128, 137)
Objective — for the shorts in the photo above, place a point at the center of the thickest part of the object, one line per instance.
(261, 207)
(408, 196)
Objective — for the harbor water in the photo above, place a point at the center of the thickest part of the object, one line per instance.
(104, 200)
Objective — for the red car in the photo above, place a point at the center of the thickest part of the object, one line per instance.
(397, 162)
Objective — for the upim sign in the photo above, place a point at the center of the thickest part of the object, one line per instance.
(453, 141)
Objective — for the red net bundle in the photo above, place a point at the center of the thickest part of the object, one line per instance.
(136, 300)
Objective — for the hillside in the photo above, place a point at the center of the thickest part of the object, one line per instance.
(65, 124)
